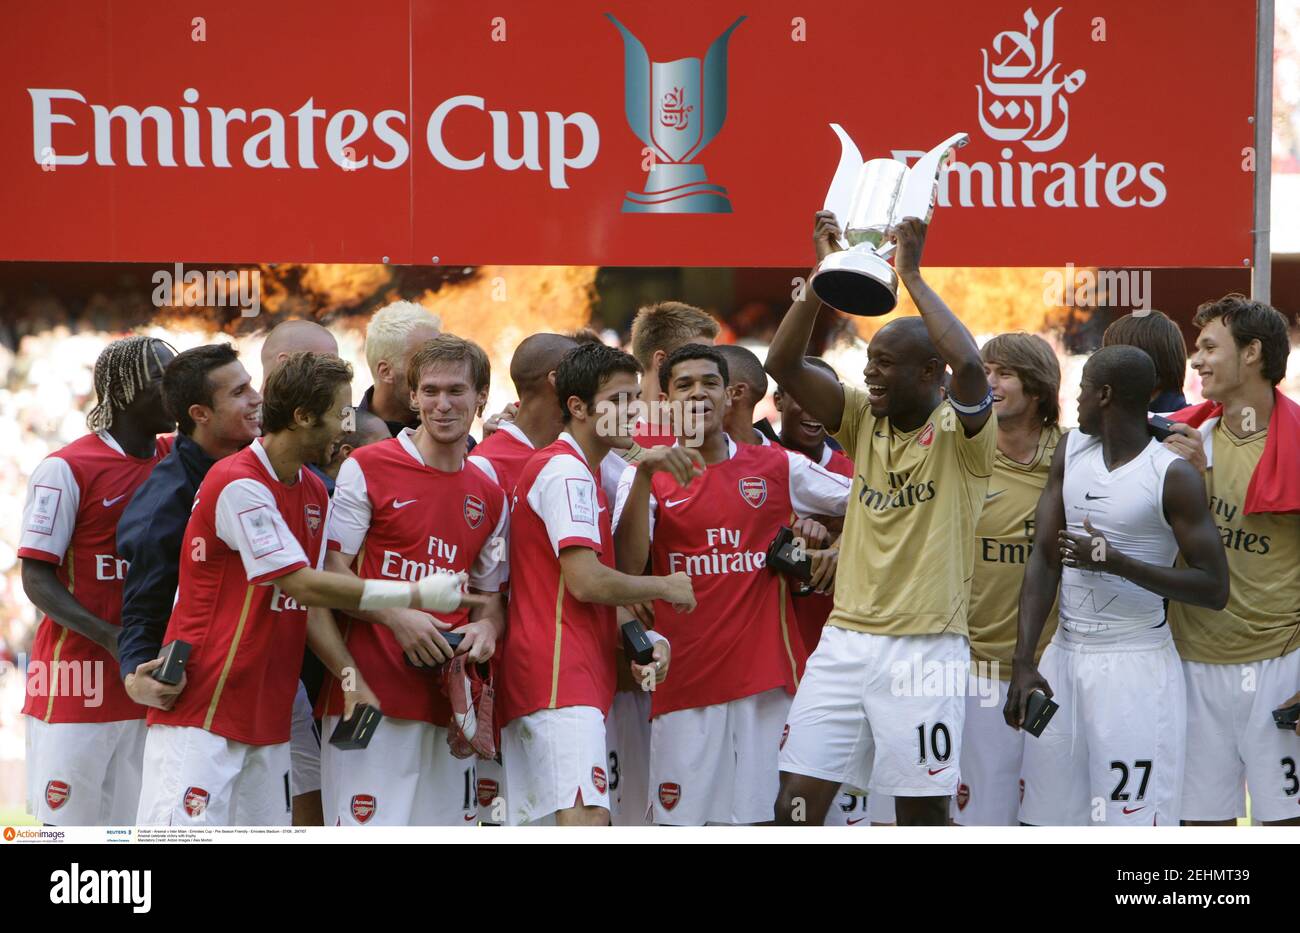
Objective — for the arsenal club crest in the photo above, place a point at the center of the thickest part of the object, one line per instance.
(474, 511)
(57, 794)
(312, 511)
(753, 489)
(669, 794)
(488, 791)
(195, 801)
(926, 437)
(363, 807)
(598, 779)
(963, 796)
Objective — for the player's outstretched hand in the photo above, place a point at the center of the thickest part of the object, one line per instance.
(826, 234)
(1187, 443)
(649, 676)
(141, 687)
(1025, 679)
(910, 237)
(683, 464)
(679, 592)
(1090, 551)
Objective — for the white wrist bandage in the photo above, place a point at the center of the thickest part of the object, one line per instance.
(385, 594)
(655, 637)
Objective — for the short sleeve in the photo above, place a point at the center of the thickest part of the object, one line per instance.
(484, 464)
(976, 453)
(50, 512)
(349, 509)
(564, 496)
(856, 419)
(491, 569)
(815, 490)
(624, 488)
(249, 522)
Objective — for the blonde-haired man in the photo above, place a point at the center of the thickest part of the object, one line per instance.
(395, 332)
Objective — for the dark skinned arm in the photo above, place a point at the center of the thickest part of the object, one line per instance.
(950, 337)
(1037, 593)
(1203, 582)
(817, 391)
(48, 594)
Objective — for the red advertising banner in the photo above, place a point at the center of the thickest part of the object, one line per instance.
(1116, 132)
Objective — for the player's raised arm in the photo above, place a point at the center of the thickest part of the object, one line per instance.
(633, 511)
(1203, 582)
(969, 388)
(817, 391)
(1038, 592)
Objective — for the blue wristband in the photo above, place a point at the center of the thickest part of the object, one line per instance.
(971, 409)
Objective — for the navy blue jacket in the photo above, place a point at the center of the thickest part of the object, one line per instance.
(150, 536)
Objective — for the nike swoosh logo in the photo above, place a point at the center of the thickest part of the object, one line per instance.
(109, 502)
(1128, 812)
(934, 771)
(994, 495)
(398, 503)
(1090, 497)
(854, 822)
(471, 817)
(672, 502)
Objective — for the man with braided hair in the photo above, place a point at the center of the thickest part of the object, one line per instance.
(85, 736)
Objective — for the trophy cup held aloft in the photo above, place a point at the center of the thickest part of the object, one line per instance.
(869, 199)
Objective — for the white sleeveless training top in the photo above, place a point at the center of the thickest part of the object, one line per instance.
(1127, 506)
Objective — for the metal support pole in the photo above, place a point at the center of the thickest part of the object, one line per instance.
(1261, 260)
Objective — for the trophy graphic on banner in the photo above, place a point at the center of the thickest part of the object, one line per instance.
(869, 199)
(676, 108)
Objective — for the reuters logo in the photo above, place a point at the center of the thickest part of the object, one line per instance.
(10, 833)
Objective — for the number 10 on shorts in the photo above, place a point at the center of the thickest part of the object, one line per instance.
(934, 743)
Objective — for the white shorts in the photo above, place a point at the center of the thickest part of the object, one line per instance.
(304, 746)
(991, 753)
(717, 764)
(406, 776)
(627, 737)
(193, 777)
(490, 793)
(881, 712)
(850, 809)
(1113, 753)
(554, 759)
(84, 773)
(1232, 742)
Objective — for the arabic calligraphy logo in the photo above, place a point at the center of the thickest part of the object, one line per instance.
(676, 109)
(1027, 95)
(673, 112)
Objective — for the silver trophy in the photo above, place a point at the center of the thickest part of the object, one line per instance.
(869, 199)
(675, 108)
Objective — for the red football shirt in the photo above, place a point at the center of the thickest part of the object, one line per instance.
(74, 500)
(503, 455)
(559, 652)
(740, 639)
(813, 610)
(405, 520)
(247, 530)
